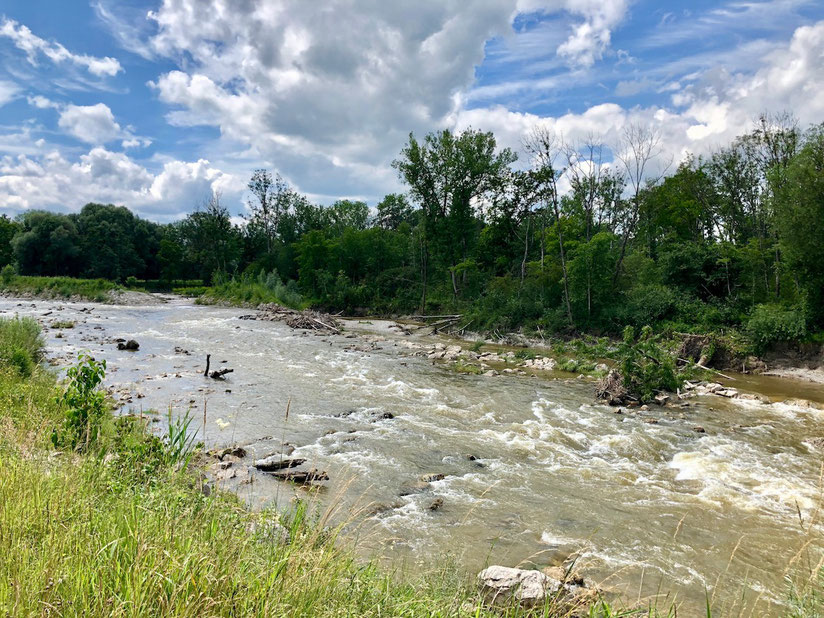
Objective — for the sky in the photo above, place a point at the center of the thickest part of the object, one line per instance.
(156, 104)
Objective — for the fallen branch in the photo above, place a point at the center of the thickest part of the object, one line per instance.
(218, 374)
(704, 367)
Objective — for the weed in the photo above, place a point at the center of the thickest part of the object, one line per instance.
(84, 404)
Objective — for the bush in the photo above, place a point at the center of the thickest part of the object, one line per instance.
(131, 281)
(84, 403)
(769, 324)
(21, 345)
(646, 366)
(7, 274)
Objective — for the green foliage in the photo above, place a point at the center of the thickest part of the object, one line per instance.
(84, 404)
(21, 344)
(254, 290)
(7, 274)
(646, 366)
(769, 324)
(97, 290)
(131, 281)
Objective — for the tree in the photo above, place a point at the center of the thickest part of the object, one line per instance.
(545, 149)
(107, 236)
(8, 228)
(47, 244)
(448, 174)
(800, 214)
(272, 198)
(639, 149)
(393, 210)
(211, 241)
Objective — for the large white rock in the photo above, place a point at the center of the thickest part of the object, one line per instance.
(527, 587)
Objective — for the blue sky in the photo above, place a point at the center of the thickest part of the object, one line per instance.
(156, 104)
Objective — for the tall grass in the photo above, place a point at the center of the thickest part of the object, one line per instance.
(255, 290)
(97, 290)
(21, 344)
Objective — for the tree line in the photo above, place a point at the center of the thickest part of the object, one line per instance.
(577, 236)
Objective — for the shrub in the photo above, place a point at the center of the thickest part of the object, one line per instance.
(84, 403)
(646, 366)
(769, 324)
(21, 345)
(131, 281)
(7, 274)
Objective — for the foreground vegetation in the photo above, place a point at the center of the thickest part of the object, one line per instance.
(116, 523)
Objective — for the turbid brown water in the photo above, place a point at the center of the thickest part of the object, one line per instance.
(650, 506)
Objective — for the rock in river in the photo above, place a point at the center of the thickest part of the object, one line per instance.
(529, 588)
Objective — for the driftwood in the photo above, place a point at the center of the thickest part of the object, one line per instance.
(723, 375)
(277, 462)
(611, 389)
(307, 320)
(218, 373)
(301, 477)
(435, 317)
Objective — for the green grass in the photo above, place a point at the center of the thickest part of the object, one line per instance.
(96, 290)
(254, 291)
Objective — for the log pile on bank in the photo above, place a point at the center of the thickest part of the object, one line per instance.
(305, 320)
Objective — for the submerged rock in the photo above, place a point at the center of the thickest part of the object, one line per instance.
(131, 345)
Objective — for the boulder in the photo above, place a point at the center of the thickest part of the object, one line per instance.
(277, 462)
(131, 345)
(529, 588)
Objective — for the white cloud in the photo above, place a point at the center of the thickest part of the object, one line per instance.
(94, 124)
(715, 107)
(51, 180)
(591, 37)
(25, 40)
(8, 91)
(41, 102)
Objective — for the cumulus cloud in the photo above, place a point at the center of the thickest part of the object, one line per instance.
(34, 46)
(708, 112)
(51, 180)
(94, 124)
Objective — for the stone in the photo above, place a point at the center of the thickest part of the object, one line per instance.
(234, 451)
(131, 345)
(661, 399)
(431, 478)
(529, 588)
(699, 429)
(436, 504)
(277, 462)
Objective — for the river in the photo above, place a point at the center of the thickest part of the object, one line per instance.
(649, 504)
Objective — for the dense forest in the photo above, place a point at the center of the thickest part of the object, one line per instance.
(573, 237)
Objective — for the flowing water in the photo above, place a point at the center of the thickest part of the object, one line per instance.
(649, 504)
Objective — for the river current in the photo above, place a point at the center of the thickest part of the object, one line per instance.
(534, 469)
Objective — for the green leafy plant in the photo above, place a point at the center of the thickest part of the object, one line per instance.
(84, 404)
(7, 274)
(646, 366)
(769, 324)
(181, 444)
(21, 345)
